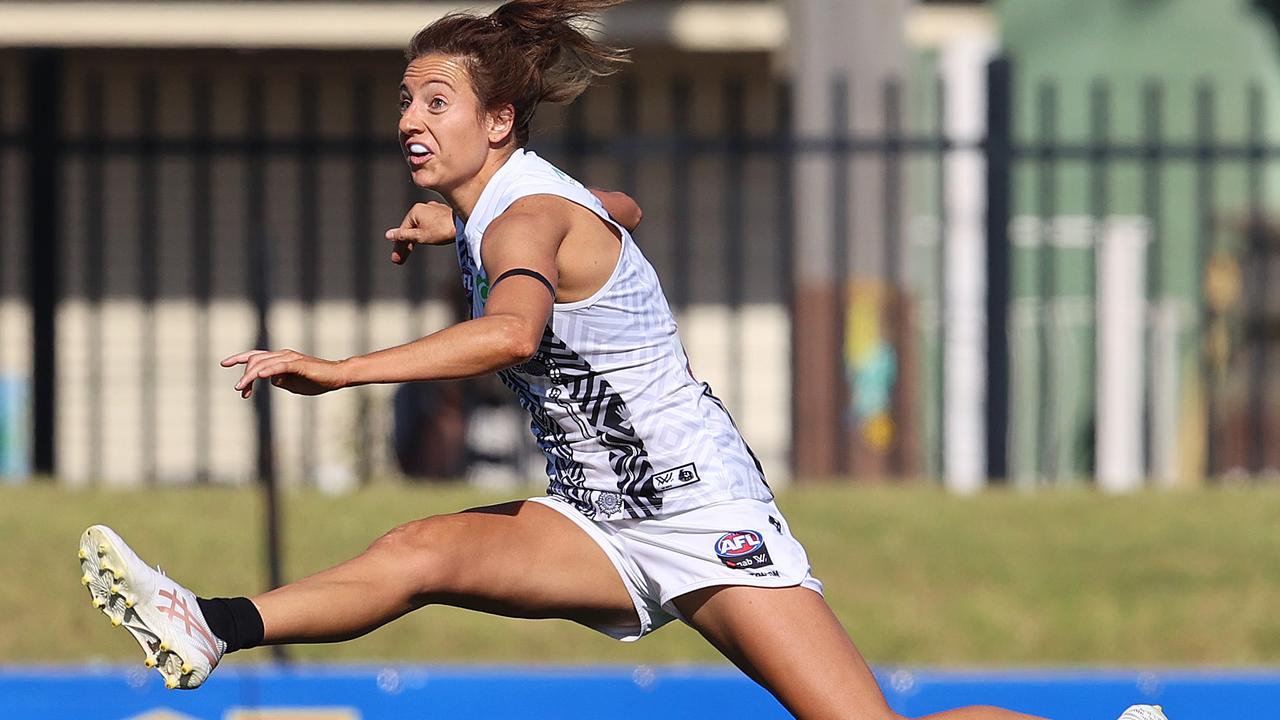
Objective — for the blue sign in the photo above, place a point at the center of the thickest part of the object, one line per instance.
(315, 692)
(15, 453)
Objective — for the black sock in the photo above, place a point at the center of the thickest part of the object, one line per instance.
(235, 621)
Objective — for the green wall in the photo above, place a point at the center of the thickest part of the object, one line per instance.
(1125, 45)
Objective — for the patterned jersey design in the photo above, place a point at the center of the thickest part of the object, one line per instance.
(601, 414)
(626, 429)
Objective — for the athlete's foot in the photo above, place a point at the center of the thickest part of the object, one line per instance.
(159, 613)
(1143, 712)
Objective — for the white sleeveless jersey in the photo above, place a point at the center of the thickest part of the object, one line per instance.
(627, 430)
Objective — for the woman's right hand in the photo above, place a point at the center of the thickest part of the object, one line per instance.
(429, 223)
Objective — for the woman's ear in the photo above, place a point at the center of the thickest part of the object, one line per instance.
(501, 123)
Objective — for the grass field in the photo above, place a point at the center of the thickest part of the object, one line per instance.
(918, 577)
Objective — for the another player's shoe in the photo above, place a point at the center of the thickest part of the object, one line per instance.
(161, 615)
(1143, 712)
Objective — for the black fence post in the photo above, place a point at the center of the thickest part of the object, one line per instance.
(628, 125)
(784, 171)
(842, 222)
(94, 269)
(940, 147)
(1205, 198)
(899, 457)
(44, 78)
(1256, 256)
(259, 258)
(309, 235)
(1046, 461)
(362, 222)
(1099, 208)
(999, 157)
(148, 268)
(733, 96)
(681, 97)
(202, 266)
(1153, 208)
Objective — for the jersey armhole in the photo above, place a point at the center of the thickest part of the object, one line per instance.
(620, 232)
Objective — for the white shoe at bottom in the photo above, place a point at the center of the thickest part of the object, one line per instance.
(1143, 712)
(159, 613)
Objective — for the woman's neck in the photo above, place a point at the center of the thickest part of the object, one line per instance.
(464, 197)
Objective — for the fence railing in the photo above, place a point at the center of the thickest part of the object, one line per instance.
(151, 224)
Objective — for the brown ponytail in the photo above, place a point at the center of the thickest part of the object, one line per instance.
(524, 53)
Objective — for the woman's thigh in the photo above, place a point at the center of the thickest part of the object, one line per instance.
(519, 559)
(789, 641)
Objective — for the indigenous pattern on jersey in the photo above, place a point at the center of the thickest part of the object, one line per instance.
(626, 429)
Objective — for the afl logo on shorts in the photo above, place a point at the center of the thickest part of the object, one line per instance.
(743, 549)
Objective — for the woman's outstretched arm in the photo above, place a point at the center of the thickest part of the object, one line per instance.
(527, 236)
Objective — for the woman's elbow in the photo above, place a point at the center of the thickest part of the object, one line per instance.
(521, 350)
(629, 212)
(518, 342)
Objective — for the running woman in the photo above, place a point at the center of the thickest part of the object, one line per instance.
(656, 509)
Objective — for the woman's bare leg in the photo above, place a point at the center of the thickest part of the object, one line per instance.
(789, 641)
(519, 559)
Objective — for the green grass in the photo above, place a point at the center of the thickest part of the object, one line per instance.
(917, 576)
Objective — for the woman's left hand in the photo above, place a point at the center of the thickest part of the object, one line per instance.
(299, 374)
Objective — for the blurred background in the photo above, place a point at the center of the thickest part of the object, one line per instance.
(954, 242)
(949, 247)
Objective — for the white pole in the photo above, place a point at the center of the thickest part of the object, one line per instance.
(1166, 326)
(964, 70)
(1121, 310)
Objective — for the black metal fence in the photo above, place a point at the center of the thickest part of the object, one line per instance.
(236, 196)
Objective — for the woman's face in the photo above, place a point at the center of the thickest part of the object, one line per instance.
(444, 133)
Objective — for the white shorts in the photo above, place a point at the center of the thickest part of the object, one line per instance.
(736, 542)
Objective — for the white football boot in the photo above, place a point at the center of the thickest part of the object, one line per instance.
(161, 615)
(1143, 712)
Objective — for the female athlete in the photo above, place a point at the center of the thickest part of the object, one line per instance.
(656, 509)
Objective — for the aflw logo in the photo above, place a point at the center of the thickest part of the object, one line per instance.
(686, 474)
(743, 549)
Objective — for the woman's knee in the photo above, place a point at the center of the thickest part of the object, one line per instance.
(423, 553)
